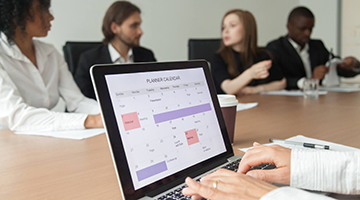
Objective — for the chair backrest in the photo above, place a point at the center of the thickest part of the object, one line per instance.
(73, 50)
(203, 48)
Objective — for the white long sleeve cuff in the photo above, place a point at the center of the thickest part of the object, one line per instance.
(300, 83)
(323, 170)
(288, 193)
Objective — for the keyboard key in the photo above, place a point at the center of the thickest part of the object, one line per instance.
(264, 166)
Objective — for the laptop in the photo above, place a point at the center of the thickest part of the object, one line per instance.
(163, 123)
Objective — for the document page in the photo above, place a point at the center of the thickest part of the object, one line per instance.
(301, 138)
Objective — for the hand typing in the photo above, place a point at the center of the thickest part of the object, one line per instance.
(225, 184)
(274, 154)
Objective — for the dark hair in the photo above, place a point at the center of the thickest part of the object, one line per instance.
(250, 47)
(300, 11)
(14, 13)
(118, 12)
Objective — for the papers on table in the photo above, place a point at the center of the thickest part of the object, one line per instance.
(331, 81)
(245, 106)
(343, 88)
(87, 133)
(301, 138)
(351, 80)
(71, 134)
(289, 93)
(332, 78)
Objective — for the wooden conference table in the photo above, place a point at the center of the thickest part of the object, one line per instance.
(33, 167)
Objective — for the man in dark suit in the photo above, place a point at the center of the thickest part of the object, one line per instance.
(300, 57)
(121, 28)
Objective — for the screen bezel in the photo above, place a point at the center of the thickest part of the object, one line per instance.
(98, 73)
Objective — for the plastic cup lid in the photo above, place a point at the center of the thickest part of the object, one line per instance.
(227, 100)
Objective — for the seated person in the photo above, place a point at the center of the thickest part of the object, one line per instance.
(240, 67)
(122, 32)
(328, 171)
(300, 57)
(33, 75)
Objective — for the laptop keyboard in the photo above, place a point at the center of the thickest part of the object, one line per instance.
(233, 166)
(264, 166)
(177, 194)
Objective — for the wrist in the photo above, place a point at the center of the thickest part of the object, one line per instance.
(261, 88)
(249, 74)
(91, 121)
(88, 121)
(356, 66)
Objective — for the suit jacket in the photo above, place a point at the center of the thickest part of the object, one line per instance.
(101, 55)
(291, 65)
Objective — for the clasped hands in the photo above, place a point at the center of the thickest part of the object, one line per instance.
(244, 184)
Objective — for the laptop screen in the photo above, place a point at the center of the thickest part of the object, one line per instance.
(166, 121)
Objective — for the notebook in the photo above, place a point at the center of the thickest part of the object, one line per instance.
(163, 123)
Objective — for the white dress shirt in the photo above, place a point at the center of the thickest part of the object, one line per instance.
(305, 58)
(28, 92)
(116, 58)
(320, 170)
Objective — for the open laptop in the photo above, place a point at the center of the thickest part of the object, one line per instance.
(163, 123)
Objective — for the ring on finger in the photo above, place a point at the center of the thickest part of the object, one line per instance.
(215, 184)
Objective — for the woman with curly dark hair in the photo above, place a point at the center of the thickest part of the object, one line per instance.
(33, 75)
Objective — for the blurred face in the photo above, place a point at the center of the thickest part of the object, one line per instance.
(300, 28)
(39, 25)
(232, 30)
(129, 32)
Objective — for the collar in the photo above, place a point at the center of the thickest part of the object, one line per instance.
(297, 47)
(115, 56)
(11, 50)
(41, 49)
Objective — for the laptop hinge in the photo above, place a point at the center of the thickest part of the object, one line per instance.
(146, 198)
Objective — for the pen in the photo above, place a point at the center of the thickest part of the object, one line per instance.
(304, 144)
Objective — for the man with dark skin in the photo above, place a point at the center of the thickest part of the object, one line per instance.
(300, 57)
(299, 30)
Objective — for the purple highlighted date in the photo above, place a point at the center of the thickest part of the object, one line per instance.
(151, 171)
(175, 114)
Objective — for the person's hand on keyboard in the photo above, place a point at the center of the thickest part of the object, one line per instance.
(274, 154)
(226, 184)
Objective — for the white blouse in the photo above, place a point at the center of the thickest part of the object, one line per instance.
(27, 92)
(320, 170)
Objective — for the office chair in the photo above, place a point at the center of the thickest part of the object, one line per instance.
(203, 48)
(73, 50)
